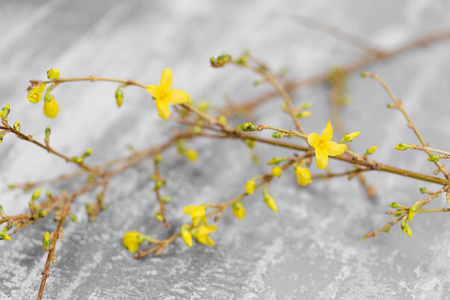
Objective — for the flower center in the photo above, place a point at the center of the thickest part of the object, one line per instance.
(321, 145)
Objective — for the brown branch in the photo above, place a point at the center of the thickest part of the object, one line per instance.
(352, 66)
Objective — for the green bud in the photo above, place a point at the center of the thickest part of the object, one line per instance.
(394, 205)
(48, 97)
(16, 126)
(387, 229)
(73, 217)
(158, 185)
(166, 199)
(42, 214)
(119, 96)
(47, 132)
(433, 158)
(363, 74)
(250, 143)
(158, 158)
(46, 240)
(306, 105)
(49, 195)
(303, 114)
(91, 178)
(275, 161)
(277, 135)
(423, 190)
(249, 127)
(409, 231)
(87, 152)
(402, 147)
(390, 105)
(371, 150)
(403, 225)
(36, 195)
(77, 159)
(4, 236)
(159, 217)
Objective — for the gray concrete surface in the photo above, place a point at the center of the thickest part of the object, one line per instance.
(311, 249)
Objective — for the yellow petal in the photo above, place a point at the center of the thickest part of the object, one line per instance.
(333, 148)
(313, 140)
(327, 134)
(188, 209)
(205, 239)
(163, 108)
(176, 96)
(321, 159)
(195, 221)
(153, 90)
(166, 79)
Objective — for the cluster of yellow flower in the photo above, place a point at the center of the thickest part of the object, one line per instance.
(164, 95)
(51, 107)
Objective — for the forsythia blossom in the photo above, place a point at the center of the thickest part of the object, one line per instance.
(165, 96)
(197, 213)
(303, 175)
(35, 94)
(53, 73)
(201, 234)
(51, 107)
(132, 239)
(324, 146)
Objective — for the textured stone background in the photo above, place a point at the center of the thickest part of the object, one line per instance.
(311, 249)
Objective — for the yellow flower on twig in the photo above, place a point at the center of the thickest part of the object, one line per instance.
(165, 96)
(197, 213)
(51, 107)
(132, 239)
(239, 210)
(303, 175)
(201, 234)
(35, 94)
(324, 146)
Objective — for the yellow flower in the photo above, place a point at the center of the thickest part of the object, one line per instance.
(276, 171)
(191, 154)
(4, 236)
(238, 210)
(270, 202)
(324, 146)
(186, 236)
(303, 175)
(201, 234)
(165, 96)
(197, 213)
(53, 74)
(250, 187)
(132, 239)
(35, 94)
(51, 108)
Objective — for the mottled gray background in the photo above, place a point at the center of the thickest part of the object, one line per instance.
(311, 249)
